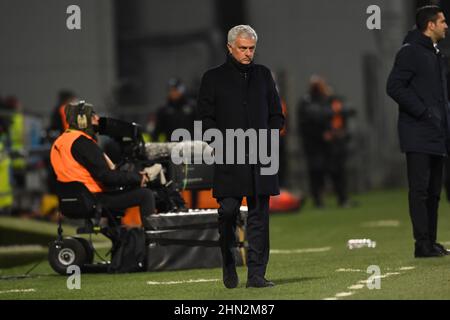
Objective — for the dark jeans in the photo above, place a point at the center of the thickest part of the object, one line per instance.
(257, 231)
(118, 201)
(425, 183)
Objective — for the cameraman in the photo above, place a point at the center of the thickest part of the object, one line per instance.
(76, 156)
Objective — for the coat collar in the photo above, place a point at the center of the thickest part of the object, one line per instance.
(415, 36)
(242, 68)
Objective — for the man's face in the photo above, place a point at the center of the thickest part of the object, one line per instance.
(243, 50)
(439, 28)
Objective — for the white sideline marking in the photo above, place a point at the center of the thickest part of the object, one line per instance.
(18, 291)
(381, 223)
(37, 248)
(307, 250)
(181, 281)
(406, 268)
(349, 270)
(344, 294)
(356, 287)
(362, 283)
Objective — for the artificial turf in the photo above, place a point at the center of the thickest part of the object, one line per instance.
(329, 271)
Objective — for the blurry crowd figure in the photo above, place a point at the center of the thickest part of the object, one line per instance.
(12, 150)
(16, 135)
(178, 112)
(6, 197)
(58, 122)
(322, 119)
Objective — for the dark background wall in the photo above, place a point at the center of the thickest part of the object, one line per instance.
(39, 55)
(127, 50)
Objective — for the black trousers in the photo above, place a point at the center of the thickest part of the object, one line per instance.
(324, 165)
(257, 232)
(425, 184)
(118, 201)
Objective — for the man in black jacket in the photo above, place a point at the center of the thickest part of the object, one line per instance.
(242, 95)
(418, 84)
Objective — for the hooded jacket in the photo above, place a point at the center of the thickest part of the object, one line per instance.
(418, 83)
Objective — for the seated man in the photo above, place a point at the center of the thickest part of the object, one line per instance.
(76, 156)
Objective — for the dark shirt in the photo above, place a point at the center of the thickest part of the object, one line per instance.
(87, 153)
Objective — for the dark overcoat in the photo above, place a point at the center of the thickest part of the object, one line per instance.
(418, 83)
(237, 96)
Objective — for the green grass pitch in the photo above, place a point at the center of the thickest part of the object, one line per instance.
(310, 260)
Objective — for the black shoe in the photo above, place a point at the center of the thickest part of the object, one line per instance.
(427, 252)
(259, 283)
(230, 277)
(439, 247)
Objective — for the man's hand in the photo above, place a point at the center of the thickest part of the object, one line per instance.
(144, 179)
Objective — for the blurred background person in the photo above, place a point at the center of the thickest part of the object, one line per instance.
(177, 113)
(58, 123)
(322, 121)
(6, 197)
(16, 134)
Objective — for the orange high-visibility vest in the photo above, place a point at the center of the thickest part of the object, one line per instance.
(337, 122)
(66, 168)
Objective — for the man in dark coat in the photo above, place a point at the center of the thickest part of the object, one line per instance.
(242, 95)
(418, 84)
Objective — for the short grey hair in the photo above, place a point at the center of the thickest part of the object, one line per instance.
(243, 31)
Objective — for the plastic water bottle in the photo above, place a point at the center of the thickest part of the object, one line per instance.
(360, 243)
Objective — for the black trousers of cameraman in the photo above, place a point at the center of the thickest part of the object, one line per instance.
(257, 232)
(425, 184)
(118, 201)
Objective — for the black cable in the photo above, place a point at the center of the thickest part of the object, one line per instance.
(95, 251)
(33, 267)
(22, 276)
